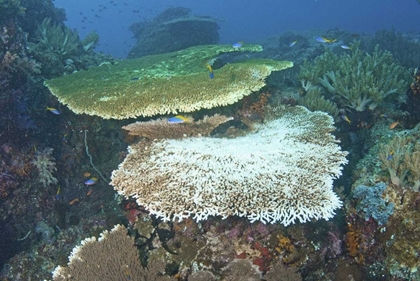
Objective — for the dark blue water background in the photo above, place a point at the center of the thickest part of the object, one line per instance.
(243, 20)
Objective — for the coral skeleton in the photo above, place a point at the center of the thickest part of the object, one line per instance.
(282, 172)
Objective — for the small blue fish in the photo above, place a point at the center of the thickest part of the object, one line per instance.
(91, 181)
(345, 47)
(211, 73)
(237, 45)
(390, 156)
(293, 43)
(57, 195)
(53, 110)
(177, 119)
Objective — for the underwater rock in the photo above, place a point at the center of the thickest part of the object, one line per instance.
(172, 30)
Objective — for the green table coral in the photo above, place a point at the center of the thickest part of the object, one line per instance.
(163, 84)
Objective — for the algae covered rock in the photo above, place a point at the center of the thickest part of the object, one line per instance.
(163, 84)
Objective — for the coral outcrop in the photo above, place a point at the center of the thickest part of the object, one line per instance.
(163, 84)
(172, 31)
(283, 172)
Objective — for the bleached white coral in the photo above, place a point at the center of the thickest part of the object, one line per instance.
(45, 164)
(283, 172)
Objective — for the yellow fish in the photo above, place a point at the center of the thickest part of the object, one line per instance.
(325, 40)
(345, 118)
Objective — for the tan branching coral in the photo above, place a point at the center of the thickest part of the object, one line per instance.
(45, 163)
(283, 172)
(162, 129)
(163, 84)
(412, 162)
(113, 257)
(392, 156)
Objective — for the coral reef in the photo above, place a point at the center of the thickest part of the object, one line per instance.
(360, 80)
(403, 239)
(112, 257)
(372, 204)
(45, 163)
(171, 31)
(404, 49)
(163, 84)
(162, 129)
(282, 172)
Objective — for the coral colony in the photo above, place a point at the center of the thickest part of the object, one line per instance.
(270, 175)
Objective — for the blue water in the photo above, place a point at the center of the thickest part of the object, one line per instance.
(242, 20)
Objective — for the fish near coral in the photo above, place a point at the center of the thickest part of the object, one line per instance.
(74, 201)
(345, 118)
(324, 40)
(53, 110)
(91, 181)
(393, 125)
(211, 73)
(178, 119)
(238, 45)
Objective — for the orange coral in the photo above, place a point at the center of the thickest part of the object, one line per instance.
(259, 105)
(291, 255)
(22, 169)
(254, 109)
(353, 243)
(285, 244)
